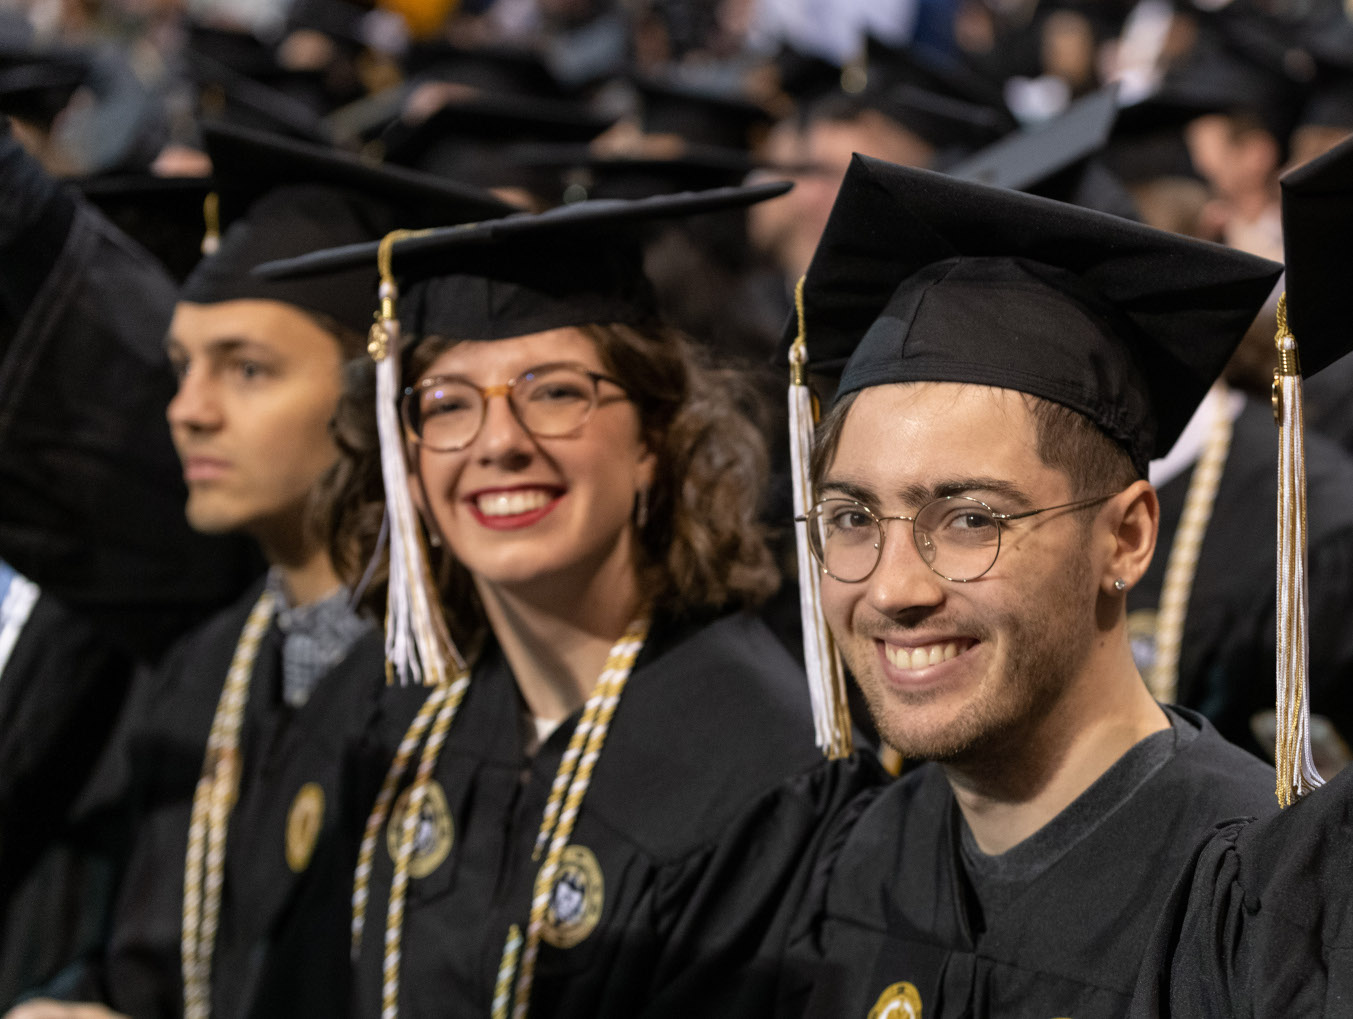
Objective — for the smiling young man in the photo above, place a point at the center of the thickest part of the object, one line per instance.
(1010, 366)
(235, 766)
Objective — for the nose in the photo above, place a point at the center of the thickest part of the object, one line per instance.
(194, 407)
(502, 439)
(902, 581)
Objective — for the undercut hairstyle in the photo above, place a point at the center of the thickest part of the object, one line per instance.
(1066, 440)
(703, 547)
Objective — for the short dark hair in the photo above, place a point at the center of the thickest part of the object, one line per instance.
(1066, 440)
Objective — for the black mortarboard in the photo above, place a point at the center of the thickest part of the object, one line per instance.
(1127, 325)
(950, 124)
(35, 85)
(701, 114)
(465, 139)
(163, 214)
(227, 95)
(492, 69)
(1225, 74)
(583, 174)
(1317, 217)
(805, 77)
(887, 65)
(1054, 159)
(570, 266)
(282, 197)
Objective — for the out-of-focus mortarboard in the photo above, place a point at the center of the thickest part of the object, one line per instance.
(949, 124)
(699, 113)
(467, 139)
(227, 95)
(1126, 325)
(162, 214)
(887, 65)
(280, 197)
(495, 70)
(582, 174)
(1228, 75)
(1056, 159)
(37, 84)
(805, 77)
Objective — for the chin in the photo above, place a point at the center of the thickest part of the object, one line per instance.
(207, 516)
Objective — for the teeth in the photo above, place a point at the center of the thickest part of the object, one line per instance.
(921, 657)
(510, 504)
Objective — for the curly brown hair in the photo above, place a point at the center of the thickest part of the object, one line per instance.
(702, 547)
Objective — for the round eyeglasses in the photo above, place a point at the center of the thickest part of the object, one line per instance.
(957, 536)
(446, 412)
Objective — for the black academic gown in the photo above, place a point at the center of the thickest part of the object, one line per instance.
(1228, 654)
(282, 947)
(894, 904)
(707, 795)
(91, 509)
(1262, 923)
(61, 686)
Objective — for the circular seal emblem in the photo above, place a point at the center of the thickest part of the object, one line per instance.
(576, 898)
(899, 1001)
(304, 820)
(432, 834)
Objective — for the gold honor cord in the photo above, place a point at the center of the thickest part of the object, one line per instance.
(561, 811)
(1296, 770)
(826, 678)
(1182, 566)
(204, 867)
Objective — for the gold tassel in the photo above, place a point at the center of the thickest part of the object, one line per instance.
(826, 679)
(418, 646)
(1292, 753)
(211, 223)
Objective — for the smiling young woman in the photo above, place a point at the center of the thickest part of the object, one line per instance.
(592, 837)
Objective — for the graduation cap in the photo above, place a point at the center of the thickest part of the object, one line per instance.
(700, 113)
(36, 84)
(466, 139)
(492, 69)
(887, 65)
(947, 123)
(1124, 324)
(280, 197)
(1313, 332)
(583, 174)
(227, 95)
(1226, 75)
(162, 214)
(1056, 159)
(571, 266)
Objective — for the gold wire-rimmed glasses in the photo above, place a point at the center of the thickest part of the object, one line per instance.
(957, 536)
(445, 412)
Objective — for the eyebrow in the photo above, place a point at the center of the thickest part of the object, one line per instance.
(918, 495)
(222, 346)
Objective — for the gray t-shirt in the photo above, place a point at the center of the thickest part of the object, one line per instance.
(997, 880)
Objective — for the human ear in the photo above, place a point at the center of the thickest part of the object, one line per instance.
(1134, 522)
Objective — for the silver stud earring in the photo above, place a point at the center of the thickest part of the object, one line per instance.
(1120, 584)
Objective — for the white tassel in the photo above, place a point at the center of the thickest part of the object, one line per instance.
(1292, 754)
(418, 646)
(826, 681)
